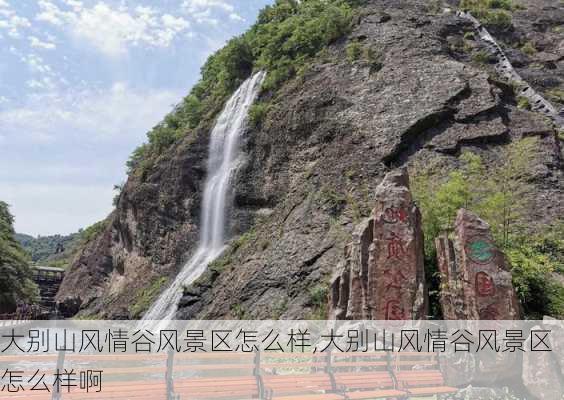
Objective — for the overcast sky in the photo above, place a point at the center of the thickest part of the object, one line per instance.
(81, 82)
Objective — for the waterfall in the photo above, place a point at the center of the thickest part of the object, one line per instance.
(223, 159)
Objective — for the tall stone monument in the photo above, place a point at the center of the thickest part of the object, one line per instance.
(475, 274)
(382, 276)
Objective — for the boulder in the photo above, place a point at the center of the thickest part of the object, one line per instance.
(382, 276)
(475, 274)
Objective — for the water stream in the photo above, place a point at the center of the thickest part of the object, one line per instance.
(223, 159)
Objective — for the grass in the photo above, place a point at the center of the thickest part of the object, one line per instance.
(529, 49)
(492, 13)
(318, 298)
(482, 57)
(146, 296)
(257, 114)
(239, 312)
(357, 51)
(333, 200)
(354, 51)
(279, 309)
(220, 264)
(523, 103)
(244, 240)
(556, 95)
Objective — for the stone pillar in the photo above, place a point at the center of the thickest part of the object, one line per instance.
(382, 276)
(475, 274)
(349, 287)
(451, 295)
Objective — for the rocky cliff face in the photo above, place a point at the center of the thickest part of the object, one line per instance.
(382, 276)
(312, 165)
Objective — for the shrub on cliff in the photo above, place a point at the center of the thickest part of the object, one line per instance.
(536, 264)
(492, 13)
(286, 35)
(15, 274)
(257, 113)
(500, 196)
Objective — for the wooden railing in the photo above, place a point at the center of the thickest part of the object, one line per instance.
(266, 376)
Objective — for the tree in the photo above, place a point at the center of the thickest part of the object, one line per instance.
(507, 199)
(16, 282)
(500, 195)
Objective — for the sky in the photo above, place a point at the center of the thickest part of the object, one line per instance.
(81, 83)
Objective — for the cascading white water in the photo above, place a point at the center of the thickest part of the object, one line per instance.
(222, 161)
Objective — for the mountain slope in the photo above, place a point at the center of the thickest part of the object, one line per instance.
(406, 85)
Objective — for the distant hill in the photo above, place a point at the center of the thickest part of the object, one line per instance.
(49, 250)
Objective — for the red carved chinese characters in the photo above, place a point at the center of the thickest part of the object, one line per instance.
(484, 284)
(395, 311)
(393, 215)
(395, 246)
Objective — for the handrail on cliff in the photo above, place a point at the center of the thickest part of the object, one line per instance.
(505, 69)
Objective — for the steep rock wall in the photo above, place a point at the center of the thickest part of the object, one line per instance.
(330, 136)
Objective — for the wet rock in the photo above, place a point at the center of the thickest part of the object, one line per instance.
(475, 274)
(382, 277)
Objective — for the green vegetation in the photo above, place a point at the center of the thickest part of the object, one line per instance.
(374, 58)
(528, 49)
(16, 282)
(436, 6)
(523, 103)
(145, 297)
(556, 95)
(118, 189)
(218, 265)
(500, 196)
(86, 235)
(334, 201)
(482, 57)
(279, 309)
(243, 240)
(318, 298)
(354, 51)
(357, 51)
(492, 13)
(286, 36)
(42, 248)
(257, 114)
(535, 260)
(58, 250)
(238, 311)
